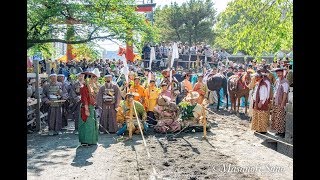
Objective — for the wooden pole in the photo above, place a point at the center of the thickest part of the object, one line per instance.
(130, 123)
(204, 121)
(36, 70)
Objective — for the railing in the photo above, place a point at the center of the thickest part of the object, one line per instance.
(186, 61)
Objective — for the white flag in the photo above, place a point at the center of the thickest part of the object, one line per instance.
(152, 56)
(175, 55)
(125, 69)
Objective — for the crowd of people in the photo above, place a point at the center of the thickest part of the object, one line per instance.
(99, 98)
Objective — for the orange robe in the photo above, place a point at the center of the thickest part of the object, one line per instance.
(201, 89)
(140, 90)
(187, 85)
(151, 96)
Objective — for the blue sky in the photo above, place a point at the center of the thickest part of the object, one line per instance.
(220, 5)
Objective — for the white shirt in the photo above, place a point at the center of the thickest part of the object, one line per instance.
(285, 87)
(264, 92)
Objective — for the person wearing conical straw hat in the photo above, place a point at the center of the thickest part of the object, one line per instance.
(261, 100)
(88, 127)
(126, 115)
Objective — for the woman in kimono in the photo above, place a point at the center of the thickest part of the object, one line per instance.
(88, 126)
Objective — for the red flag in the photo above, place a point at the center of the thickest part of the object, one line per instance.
(121, 51)
(129, 53)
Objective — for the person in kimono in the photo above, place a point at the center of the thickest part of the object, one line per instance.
(88, 126)
(108, 100)
(53, 93)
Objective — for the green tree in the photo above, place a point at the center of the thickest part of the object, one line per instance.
(255, 26)
(191, 22)
(47, 50)
(86, 50)
(52, 21)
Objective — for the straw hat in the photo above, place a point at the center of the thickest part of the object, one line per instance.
(96, 72)
(132, 94)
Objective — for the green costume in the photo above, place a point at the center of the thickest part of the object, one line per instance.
(88, 130)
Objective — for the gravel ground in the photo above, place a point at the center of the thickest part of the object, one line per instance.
(231, 151)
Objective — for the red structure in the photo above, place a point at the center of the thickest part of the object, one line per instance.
(129, 47)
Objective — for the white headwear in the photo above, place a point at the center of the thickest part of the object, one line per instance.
(96, 72)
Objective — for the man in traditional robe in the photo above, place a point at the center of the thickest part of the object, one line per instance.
(261, 101)
(127, 113)
(137, 88)
(151, 96)
(74, 98)
(201, 88)
(280, 99)
(65, 105)
(108, 100)
(51, 93)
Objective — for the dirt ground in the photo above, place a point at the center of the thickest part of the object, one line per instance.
(231, 151)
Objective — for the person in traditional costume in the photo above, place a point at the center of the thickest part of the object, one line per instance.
(151, 96)
(74, 98)
(261, 101)
(52, 94)
(127, 85)
(201, 88)
(280, 99)
(108, 99)
(212, 96)
(186, 84)
(272, 79)
(186, 87)
(165, 91)
(251, 86)
(137, 88)
(192, 113)
(173, 86)
(167, 114)
(65, 105)
(127, 113)
(94, 83)
(289, 74)
(88, 126)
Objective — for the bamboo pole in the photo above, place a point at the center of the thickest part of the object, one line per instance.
(130, 123)
(204, 119)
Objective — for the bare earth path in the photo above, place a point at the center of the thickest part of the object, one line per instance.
(231, 152)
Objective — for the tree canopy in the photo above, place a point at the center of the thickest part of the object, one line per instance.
(81, 21)
(190, 22)
(255, 26)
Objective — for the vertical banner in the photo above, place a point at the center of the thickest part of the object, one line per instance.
(175, 55)
(125, 69)
(152, 56)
